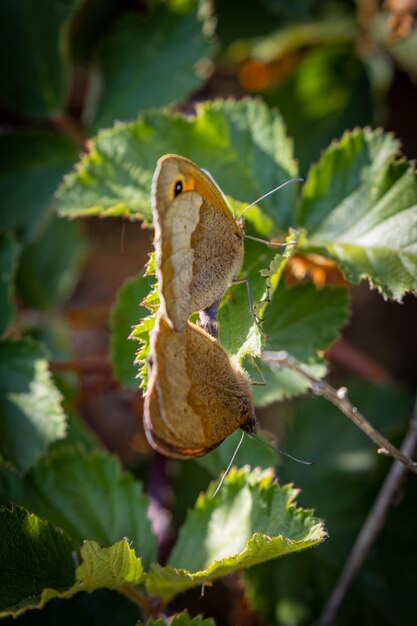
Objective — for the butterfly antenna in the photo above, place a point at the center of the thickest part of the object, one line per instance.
(122, 239)
(287, 182)
(219, 486)
(289, 456)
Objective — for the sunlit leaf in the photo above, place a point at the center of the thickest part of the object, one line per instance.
(359, 207)
(88, 496)
(31, 416)
(252, 519)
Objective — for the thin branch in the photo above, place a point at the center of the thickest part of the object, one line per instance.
(339, 398)
(371, 528)
(151, 607)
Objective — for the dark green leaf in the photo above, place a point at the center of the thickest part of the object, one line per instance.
(147, 62)
(298, 10)
(49, 267)
(88, 496)
(127, 312)
(243, 144)
(31, 415)
(34, 48)
(359, 208)
(33, 555)
(251, 520)
(329, 92)
(9, 251)
(43, 567)
(32, 164)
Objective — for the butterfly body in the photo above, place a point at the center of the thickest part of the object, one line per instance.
(199, 245)
(196, 396)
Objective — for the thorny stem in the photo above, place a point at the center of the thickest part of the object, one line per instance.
(370, 529)
(149, 608)
(339, 398)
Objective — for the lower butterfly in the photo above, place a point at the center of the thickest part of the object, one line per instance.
(196, 395)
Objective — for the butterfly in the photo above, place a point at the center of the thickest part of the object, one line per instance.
(199, 245)
(197, 396)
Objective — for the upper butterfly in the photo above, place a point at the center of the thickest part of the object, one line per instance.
(199, 245)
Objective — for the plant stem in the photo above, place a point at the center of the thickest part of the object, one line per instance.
(371, 528)
(148, 607)
(339, 398)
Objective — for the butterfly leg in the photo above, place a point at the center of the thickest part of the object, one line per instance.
(257, 383)
(239, 281)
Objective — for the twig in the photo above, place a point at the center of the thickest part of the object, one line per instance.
(151, 607)
(370, 529)
(339, 398)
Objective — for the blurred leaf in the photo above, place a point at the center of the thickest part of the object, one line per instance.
(100, 608)
(31, 416)
(343, 483)
(34, 36)
(88, 496)
(43, 569)
(49, 267)
(242, 144)
(253, 19)
(328, 92)
(32, 164)
(252, 519)
(296, 10)
(302, 320)
(43, 559)
(403, 51)
(126, 312)
(147, 62)
(359, 208)
(9, 251)
(182, 619)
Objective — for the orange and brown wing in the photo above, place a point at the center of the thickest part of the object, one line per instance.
(199, 246)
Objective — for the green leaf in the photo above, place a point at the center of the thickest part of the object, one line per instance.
(31, 416)
(9, 251)
(263, 268)
(126, 312)
(35, 36)
(32, 164)
(50, 267)
(42, 568)
(297, 10)
(148, 62)
(328, 92)
(359, 207)
(181, 619)
(302, 320)
(243, 145)
(33, 555)
(251, 520)
(88, 496)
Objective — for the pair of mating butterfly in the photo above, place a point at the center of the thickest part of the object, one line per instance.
(196, 395)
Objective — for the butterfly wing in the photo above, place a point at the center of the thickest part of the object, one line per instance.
(196, 397)
(199, 246)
